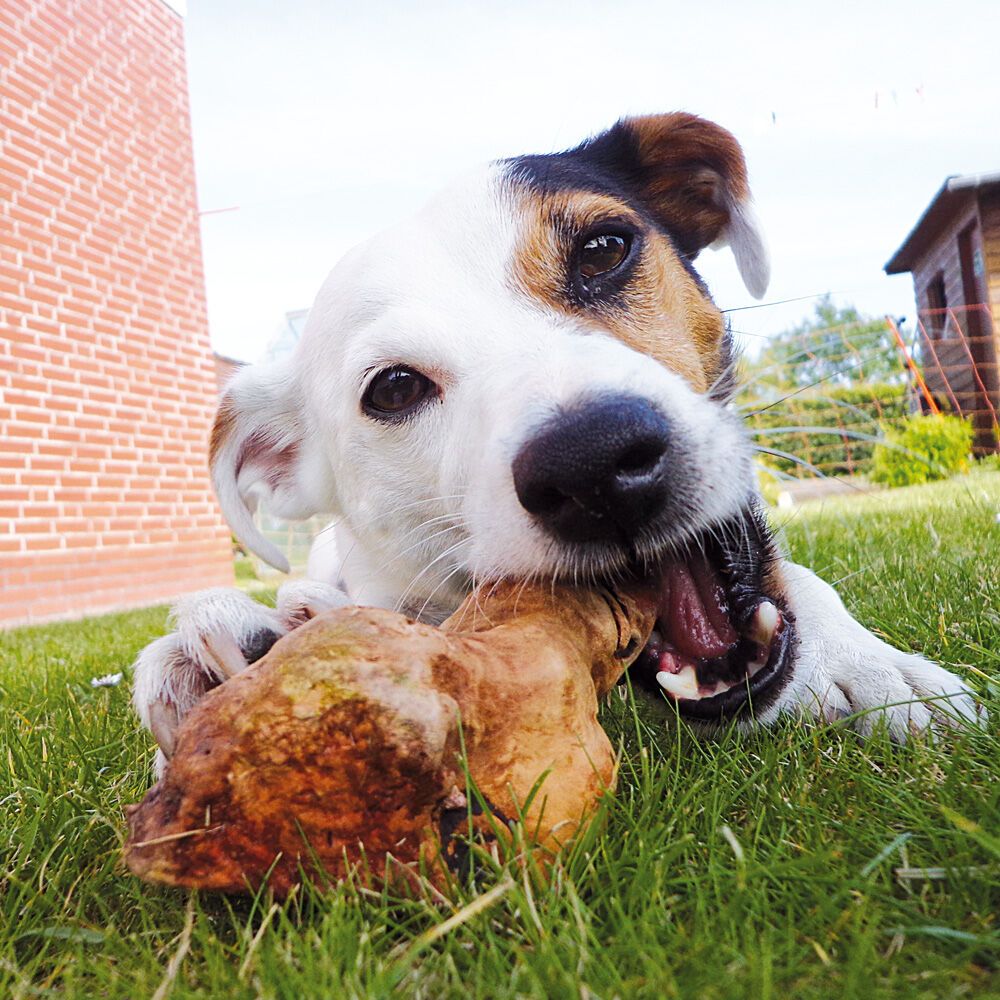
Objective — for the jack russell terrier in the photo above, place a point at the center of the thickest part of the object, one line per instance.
(529, 379)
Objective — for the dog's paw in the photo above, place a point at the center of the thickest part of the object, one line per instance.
(842, 670)
(873, 684)
(217, 633)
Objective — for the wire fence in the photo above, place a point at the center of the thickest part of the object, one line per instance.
(818, 403)
(956, 358)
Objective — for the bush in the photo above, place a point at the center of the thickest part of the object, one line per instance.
(924, 449)
(989, 463)
(862, 409)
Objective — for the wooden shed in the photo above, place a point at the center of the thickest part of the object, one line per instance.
(953, 253)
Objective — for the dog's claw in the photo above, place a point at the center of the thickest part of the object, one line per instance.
(226, 652)
(842, 666)
(219, 633)
(163, 722)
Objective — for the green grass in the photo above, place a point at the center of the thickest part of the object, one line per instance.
(753, 866)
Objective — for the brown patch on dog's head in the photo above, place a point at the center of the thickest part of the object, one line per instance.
(261, 446)
(222, 428)
(670, 185)
(691, 173)
(660, 310)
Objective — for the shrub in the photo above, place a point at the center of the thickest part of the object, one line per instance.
(989, 462)
(924, 449)
(858, 409)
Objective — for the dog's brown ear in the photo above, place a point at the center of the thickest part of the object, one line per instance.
(691, 174)
(260, 452)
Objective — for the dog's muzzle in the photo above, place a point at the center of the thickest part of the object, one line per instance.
(609, 472)
(724, 638)
(596, 472)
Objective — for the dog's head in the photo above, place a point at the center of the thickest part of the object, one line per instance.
(527, 378)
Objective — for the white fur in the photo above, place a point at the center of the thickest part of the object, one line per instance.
(177, 670)
(424, 506)
(745, 237)
(427, 507)
(746, 240)
(841, 668)
(265, 404)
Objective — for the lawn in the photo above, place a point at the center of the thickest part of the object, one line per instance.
(799, 863)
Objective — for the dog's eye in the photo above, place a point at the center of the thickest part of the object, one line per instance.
(602, 253)
(396, 392)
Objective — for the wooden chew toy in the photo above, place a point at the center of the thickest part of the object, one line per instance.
(341, 746)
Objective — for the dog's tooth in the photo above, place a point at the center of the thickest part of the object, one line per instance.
(683, 684)
(765, 623)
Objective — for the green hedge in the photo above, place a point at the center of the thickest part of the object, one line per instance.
(924, 449)
(844, 410)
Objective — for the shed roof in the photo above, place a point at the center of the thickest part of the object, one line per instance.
(954, 192)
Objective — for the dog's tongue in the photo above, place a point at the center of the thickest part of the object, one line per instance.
(692, 609)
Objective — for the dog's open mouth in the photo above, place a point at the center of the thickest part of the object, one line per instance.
(721, 643)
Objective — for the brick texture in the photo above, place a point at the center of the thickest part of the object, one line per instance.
(107, 379)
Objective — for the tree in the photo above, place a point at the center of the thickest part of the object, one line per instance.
(837, 346)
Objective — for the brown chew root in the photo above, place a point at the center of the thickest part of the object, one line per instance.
(341, 748)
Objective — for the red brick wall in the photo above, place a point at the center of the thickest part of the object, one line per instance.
(107, 380)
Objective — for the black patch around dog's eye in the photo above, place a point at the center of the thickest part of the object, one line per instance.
(396, 392)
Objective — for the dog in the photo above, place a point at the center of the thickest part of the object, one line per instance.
(530, 380)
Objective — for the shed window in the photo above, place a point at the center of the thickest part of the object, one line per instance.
(937, 304)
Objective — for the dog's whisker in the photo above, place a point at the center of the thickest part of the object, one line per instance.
(417, 544)
(495, 586)
(345, 557)
(392, 512)
(428, 500)
(430, 522)
(477, 606)
(401, 602)
(524, 584)
(457, 568)
(420, 542)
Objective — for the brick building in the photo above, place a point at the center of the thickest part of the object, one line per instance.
(107, 379)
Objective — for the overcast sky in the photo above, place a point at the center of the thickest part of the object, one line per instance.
(326, 121)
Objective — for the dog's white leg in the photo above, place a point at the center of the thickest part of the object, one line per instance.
(218, 633)
(841, 668)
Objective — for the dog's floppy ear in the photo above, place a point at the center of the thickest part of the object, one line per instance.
(691, 174)
(261, 451)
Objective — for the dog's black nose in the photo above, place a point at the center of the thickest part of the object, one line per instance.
(596, 472)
